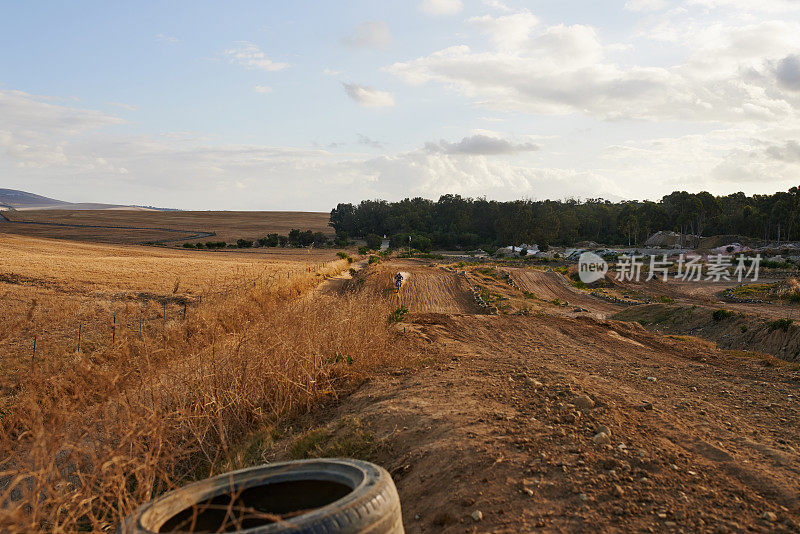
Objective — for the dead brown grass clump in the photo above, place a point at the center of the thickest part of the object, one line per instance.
(87, 435)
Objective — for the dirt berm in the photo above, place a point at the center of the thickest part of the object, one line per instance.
(731, 330)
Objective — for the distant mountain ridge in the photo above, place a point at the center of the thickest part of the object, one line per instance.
(13, 199)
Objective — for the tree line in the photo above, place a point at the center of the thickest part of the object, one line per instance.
(295, 238)
(468, 223)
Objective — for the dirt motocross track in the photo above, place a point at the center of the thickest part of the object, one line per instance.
(427, 289)
(576, 424)
(549, 285)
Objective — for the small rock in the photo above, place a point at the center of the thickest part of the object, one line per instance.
(584, 402)
(618, 491)
(603, 429)
(652, 379)
(770, 516)
(583, 497)
(417, 517)
(532, 382)
(601, 438)
(477, 515)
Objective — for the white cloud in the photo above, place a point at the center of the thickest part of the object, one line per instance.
(127, 107)
(735, 73)
(788, 72)
(367, 96)
(249, 56)
(51, 149)
(497, 5)
(441, 7)
(645, 5)
(767, 6)
(26, 115)
(166, 38)
(262, 89)
(507, 32)
(480, 144)
(375, 34)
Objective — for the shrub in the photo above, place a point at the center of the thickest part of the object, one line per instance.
(342, 239)
(721, 314)
(320, 239)
(342, 255)
(363, 250)
(421, 243)
(398, 315)
(188, 245)
(272, 240)
(743, 328)
(300, 239)
(215, 244)
(374, 259)
(374, 241)
(665, 299)
(782, 324)
(244, 243)
(353, 272)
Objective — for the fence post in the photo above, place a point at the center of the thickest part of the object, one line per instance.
(33, 357)
(184, 311)
(114, 331)
(80, 331)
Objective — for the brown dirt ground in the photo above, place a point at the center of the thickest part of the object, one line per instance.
(427, 290)
(488, 417)
(706, 293)
(550, 285)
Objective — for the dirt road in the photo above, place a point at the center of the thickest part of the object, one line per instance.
(504, 423)
(576, 424)
(549, 285)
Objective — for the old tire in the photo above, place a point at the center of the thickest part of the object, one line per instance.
(310, 496)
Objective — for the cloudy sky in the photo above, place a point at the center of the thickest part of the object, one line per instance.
(300, 105)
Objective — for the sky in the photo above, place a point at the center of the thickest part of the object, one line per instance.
(274, 105)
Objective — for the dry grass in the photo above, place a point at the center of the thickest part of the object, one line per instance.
(228, 225)
(87, 435)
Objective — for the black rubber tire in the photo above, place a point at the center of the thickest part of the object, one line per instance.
(372, 506)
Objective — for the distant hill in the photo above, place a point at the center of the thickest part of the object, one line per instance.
(12, 199)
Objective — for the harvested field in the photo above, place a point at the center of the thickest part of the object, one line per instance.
(151, 226)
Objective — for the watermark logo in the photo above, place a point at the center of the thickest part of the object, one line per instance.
(717, 268)
(591, 267)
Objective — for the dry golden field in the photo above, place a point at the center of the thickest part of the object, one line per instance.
(144, 226)
(151, 365)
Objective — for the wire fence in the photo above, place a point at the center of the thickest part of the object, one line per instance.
(139, 316)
